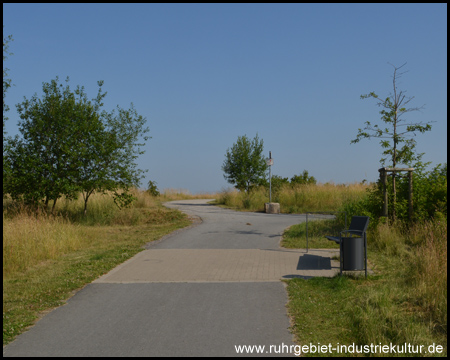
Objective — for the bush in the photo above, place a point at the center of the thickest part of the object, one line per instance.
(304, 178)
(152, 189)
(429, 198)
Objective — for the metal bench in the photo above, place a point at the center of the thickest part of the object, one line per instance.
(349, 246)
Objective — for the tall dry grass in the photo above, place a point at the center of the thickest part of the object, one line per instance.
(296, 199)
(429, 270)
(184, 194)
(30, 238)
(321, 197)
(411, 302)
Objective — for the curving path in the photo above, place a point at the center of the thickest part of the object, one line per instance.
(196, 292)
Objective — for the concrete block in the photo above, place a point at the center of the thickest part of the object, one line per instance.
(272, 208)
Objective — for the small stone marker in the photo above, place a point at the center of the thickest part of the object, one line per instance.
(272, 208)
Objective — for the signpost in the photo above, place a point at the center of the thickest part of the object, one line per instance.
(269, 162)
(271, 208)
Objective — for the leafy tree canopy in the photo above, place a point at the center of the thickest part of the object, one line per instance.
(397, 135)
(244, 164)
(69, 145)
(303, 178)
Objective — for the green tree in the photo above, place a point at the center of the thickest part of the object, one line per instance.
(69, 146)
(278, 182)
(429, 198)
(397, 135)
(304, 178)
(6, 86)
(44, 161)
(6, 80)
(152, 188)
(244, 164)
(109, 161)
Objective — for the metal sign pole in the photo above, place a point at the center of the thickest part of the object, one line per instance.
(270, 178)
(307, 232)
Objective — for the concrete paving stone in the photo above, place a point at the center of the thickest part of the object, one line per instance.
(216, 265)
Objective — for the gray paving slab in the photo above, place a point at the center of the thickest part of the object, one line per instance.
(223, 265)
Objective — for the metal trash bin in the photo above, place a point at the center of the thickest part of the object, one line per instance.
(352, 253)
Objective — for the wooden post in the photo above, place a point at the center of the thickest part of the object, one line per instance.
(383, 176)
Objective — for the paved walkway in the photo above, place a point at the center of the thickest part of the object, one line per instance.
(197, 292)
(225, 245)
(217, 265)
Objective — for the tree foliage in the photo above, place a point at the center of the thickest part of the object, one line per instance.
(397, 135)
(69, 145)
(398, 130)
(278, 182)
(244, 164)
(6, 79)
(429, 198)
(6, 86)
(303, 178)
(152, 188)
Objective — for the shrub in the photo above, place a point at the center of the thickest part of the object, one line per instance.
(152, 189)
(302, 179)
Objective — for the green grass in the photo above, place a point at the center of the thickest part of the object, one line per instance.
(316, 306)
(404, 302)
(295, 236)
(346, 311)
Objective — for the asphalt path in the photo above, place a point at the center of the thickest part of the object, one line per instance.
(175, 317)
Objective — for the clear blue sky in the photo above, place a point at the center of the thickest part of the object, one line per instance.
(204, 74)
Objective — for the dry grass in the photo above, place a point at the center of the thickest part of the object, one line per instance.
(296, 199)
(429, 271)
(321, 197)
(184, 194)
(30, 240)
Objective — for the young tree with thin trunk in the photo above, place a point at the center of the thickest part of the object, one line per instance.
(398, 135)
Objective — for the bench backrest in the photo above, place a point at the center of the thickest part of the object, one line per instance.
(359, 223)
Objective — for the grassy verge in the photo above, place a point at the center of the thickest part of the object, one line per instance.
(405, 302)
(184, 194)
(47, 258)
(295, 236)
(294, 199)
